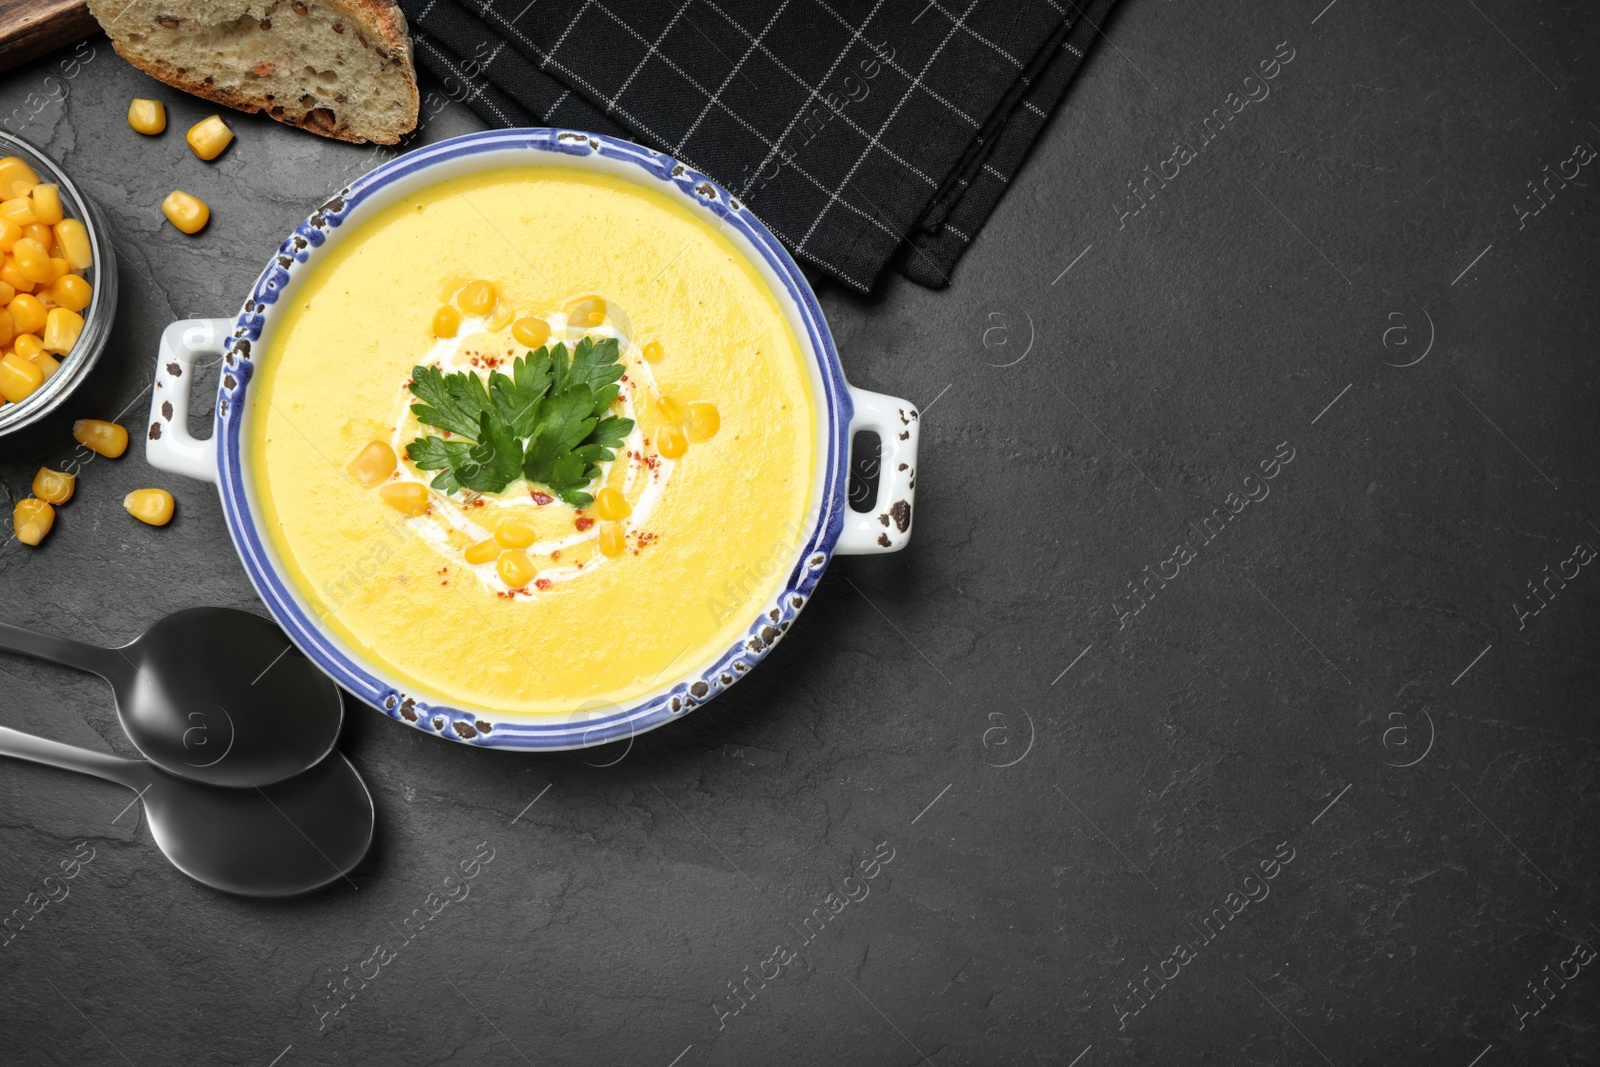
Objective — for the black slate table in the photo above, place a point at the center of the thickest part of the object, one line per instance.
(1234, 703)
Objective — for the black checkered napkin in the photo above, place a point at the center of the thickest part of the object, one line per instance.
(862, 132)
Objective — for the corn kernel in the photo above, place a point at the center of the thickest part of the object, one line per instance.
(611, 504)
(515, 568)
(47, 203)
(31, 520)
(476, 298)
(446, 321)
(27, 346)
(148, 117)
(585, 312)
(39, 232)
(671, 442)
(10, 275)
(46, 363)
(373, 464)
(654, 353)
(18, 377)
(209, 137)
(71, 292)
(61, 330)
(151, 506)
(72, 236)
(15, 168)
(27, 314)
(97, 435)
(514, 532)
(54, 487)
(408, 498)
(672, 411)
(483, 551)
(188, 213)
(8, 328)
(7, 294)
(612, 540)
(503, 314)
(18, 209)
(9, 232)
(704, 422)
(32, 260)
(531, 331)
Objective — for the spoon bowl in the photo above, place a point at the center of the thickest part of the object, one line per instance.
(278, 840)
(214, 695)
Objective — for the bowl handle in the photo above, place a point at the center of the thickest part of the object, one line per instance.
(887, 527)
(169, 446)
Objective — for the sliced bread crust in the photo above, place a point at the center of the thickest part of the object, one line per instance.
(338, 68)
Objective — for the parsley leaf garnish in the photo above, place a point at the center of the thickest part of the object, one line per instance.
(547, 421)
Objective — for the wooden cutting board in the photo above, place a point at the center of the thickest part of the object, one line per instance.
(30, 28)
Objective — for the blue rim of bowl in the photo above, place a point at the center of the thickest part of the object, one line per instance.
(533, 732)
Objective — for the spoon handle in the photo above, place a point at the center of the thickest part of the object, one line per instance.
(68, 757)
(62, 650)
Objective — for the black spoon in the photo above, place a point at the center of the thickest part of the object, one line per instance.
(211, 694)
(276, 841)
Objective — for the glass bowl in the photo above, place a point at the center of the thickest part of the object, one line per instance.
(97, 317)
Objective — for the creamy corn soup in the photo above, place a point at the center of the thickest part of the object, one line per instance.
(602, 568)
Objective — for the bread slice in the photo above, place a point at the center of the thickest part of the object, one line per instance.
(339, 68)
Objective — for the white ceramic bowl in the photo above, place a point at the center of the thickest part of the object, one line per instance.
(840, 412)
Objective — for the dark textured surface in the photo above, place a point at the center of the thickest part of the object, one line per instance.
(1260, 706)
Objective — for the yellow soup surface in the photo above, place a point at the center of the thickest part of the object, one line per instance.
(516, 603)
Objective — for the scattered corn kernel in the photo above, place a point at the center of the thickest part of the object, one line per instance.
(18, 209)
(18, 377)
(672, 411)
(7, 294)
(32, 260)
(446, 321)
(476, 298)
(151, 506)
(188, 213)
(54, 487)
(515, 568)
(46, 363)
(39, 232)
(27, 314)
(503, 314)
(71, 292)
(148, 117)
(9, 232)
(408, 498)
(514, 532)
(483, 551)
(72, 236)
(32, 519)
(61, 330)
(654, 353)
(373, 464)
(612, 540)
(209, 137)
(531, 331)
(704, 422)
(97, 435)
(586, 311)
(611, 504)
(47, 203)
(671, 442)
(27, 346)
